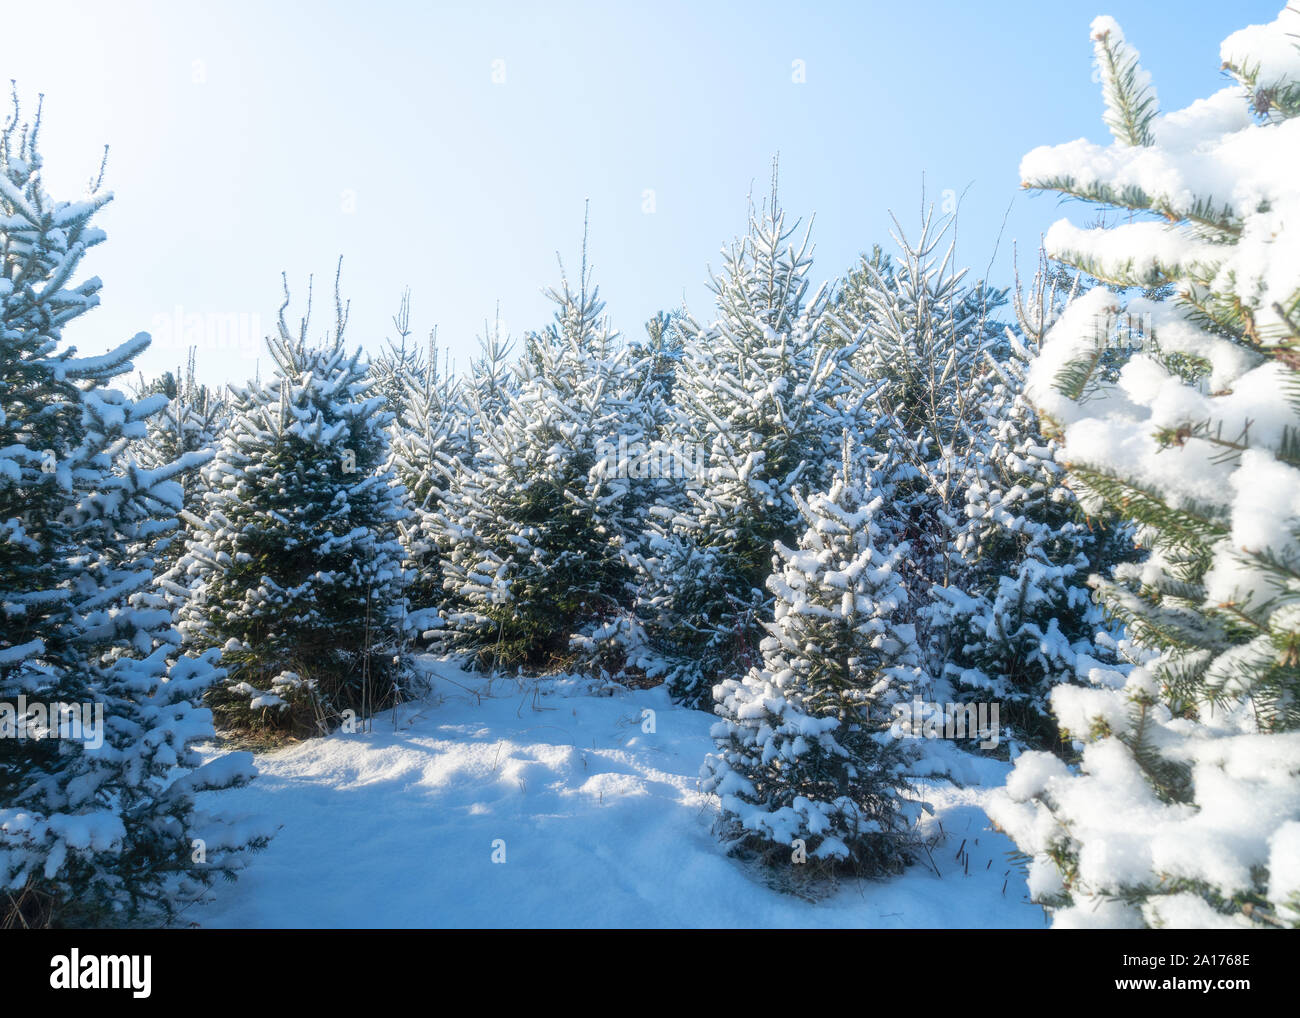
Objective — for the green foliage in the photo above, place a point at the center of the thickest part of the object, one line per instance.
(294, 567)
(538, 535)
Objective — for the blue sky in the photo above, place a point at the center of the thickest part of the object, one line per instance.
(449, 147)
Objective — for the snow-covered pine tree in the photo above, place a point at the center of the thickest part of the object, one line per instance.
(401, 361)
(805, 748)
(661, 349)
(539, 536)
(99, 708)
(190, 422)
(492, 376)
(1185, 807)
(925, 329)
(1024, 615)
(431, 442)
(660, 461)
(852, 298)
(295, 569)
(669, 467)
(921, 336)
(761, 395)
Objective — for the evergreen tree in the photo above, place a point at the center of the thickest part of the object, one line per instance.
(761, 397)
(295, 570)
(805, 747)
(492, 378)
(1024, 616)
(99, 708)
(431, 442)
(922, 335)
(925, 331)
(539, 535)
(661, 461)
(190, 422)
(1185, 807)
(401, 362)
(661, 350)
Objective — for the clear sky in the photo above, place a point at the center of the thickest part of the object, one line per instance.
(449, 147)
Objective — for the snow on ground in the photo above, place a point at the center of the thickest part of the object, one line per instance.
(603, 826)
